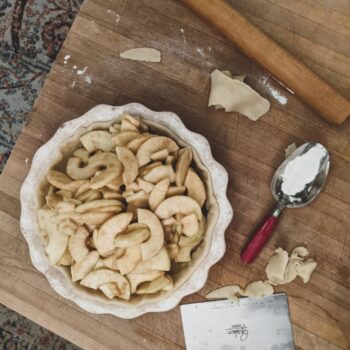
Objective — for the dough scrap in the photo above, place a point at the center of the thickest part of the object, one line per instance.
(234, 95)
(290, 149)
(144, 54)
(258, 289)
(255, 289)
(229, 292)
(282, 269)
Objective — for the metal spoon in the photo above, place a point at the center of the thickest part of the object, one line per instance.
(281, 183)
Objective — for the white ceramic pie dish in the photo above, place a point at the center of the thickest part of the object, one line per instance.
(213, 247)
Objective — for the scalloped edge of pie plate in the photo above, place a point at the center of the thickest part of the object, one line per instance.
(49, 152)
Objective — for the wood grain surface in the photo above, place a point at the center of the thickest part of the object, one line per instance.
(318, 32)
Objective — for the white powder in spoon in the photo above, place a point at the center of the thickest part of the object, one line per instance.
(302, 170)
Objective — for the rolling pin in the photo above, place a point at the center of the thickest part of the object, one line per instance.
(313, 90)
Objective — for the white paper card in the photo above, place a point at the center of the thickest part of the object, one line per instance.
(250, 324)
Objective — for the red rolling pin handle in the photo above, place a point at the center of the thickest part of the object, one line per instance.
(255, 245)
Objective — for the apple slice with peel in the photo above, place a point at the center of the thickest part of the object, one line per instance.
(137, 278)
(82, 208)
(124, 137)
(159, 173)
(190, 225)
(154, 286)
(155, 243)
(98, 277)
(158, 193)
(136, 142)
(178, 204)
(183, 162)
(130, 164)
(104, 239)
(160, 262)
(63, 181)
(97, 140)
(154, 145)
(57, 242)
(175, 191)
(195, 187)
(127, 262)
(77, 244)
(81, 269)
(131, 238)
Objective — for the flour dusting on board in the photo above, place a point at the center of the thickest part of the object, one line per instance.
(302, 170)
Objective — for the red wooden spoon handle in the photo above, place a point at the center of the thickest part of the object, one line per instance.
(254, 246)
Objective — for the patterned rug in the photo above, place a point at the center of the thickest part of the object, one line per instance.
(31, 34)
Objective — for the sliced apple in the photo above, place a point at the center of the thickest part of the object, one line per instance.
(125, 240)
(115, 184)
(133, 120)
(139, 199)
(170, 160)
(67, 227)
(95, 218)
(183, 163)
(159, 173)
(82, 208)
(135, 278)
(109, 230)
(130, 164)
(52, 198)
(66, 259)
(82, 153)
(147, 168)
(106, 177)
(195, 239)
(89, 195)
(124, 137)
(153, 145)
(158, 193)
(175, 191)
(57, 242)
(135, 143)
(128, 126)
(84, 267)
(173, 250)
(145, 185)
(99, 264)
(155, 243)
(159, 262)
(110, 290)
(97, 140)
(96, 278)
(184, 254)
(154, 286)
(190, 225)
(77, 244)
(129, 260)
(62, 181)
(85, 186)
(195, 187)
(65, 207)
(78, 171)
(109, 194)
(115, 209)
(133, 186)
(160, 155)
(178, 204)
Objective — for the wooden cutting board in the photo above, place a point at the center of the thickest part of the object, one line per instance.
(318, 32)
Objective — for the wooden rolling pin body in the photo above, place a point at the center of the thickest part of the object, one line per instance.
(290, 71)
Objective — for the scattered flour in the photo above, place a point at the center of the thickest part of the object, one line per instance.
(66, 59)
(82, 71)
